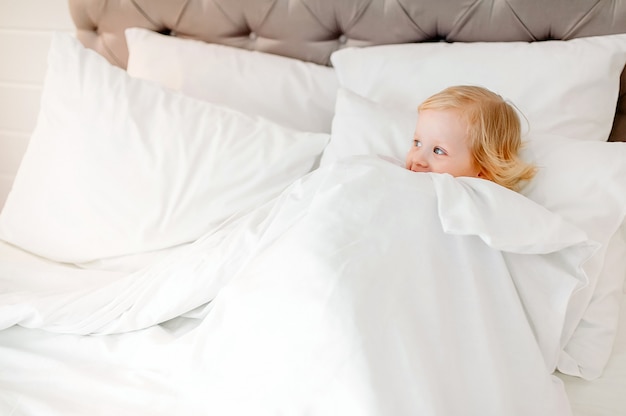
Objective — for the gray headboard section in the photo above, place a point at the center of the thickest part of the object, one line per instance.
(312, 29)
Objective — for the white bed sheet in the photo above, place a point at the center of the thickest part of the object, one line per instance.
(43, 373)
(55, 374)
(152, 371)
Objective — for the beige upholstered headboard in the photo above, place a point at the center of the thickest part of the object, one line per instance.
(312, 29)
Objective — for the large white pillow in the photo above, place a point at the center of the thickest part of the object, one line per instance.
(289, 91)
(118, 165)
(567, 88)
(584, 182)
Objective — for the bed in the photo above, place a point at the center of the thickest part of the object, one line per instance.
(207, 221)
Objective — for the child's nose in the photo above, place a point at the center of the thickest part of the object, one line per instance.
(420, 159)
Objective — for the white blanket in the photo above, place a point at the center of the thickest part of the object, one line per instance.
(363, 289)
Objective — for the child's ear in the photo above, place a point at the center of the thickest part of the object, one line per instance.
(483, 173)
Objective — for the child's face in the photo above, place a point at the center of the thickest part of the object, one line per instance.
(440, 145)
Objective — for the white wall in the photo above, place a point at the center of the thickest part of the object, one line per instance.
(26, 27)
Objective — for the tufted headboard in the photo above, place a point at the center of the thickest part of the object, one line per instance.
(311, 30)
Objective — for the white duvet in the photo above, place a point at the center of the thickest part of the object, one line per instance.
(364, 289)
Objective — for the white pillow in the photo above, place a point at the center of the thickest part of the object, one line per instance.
(117, 165)
(567, 88)
(289, 91)
(387, 132)
(585, 182)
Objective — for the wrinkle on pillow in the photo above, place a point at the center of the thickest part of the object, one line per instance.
(291, 92)
(119, 166)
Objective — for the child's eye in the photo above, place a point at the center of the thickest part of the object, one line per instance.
(417, 143)
(439, 151)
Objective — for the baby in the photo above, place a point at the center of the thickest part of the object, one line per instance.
(469, 131)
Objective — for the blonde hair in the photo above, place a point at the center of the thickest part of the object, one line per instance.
(494, 132)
